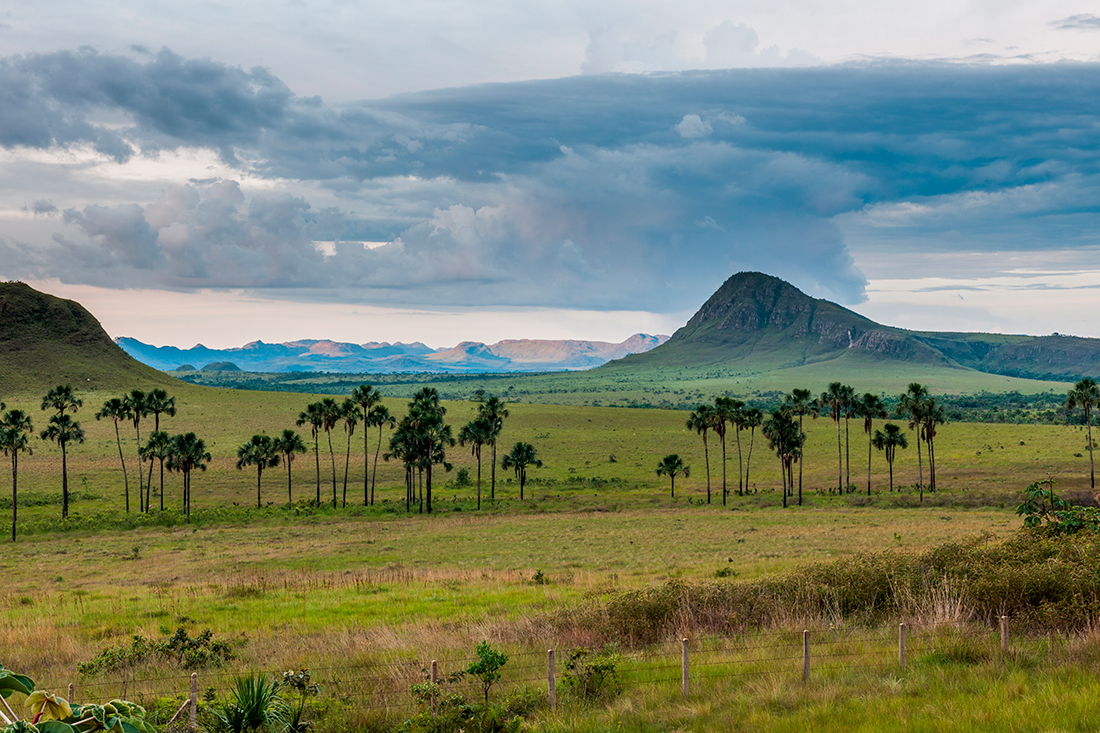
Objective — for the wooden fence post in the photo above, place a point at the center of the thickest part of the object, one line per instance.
(193, 716)
(551, 683)
(435, 681)
(72, 693)
(805, 655)
(1004, 634)
(686, 665)
(903, 656)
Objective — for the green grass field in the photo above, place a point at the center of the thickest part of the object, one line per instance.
(372, 592)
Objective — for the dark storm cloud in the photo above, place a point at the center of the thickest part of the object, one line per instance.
(615, 191)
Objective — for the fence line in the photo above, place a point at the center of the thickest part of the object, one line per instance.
(387, 685)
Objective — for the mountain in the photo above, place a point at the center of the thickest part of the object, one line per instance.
(523, 355)
(762, 323)
(46, 341)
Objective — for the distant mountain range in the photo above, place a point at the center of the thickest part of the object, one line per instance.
(763, 323)
(513, 355)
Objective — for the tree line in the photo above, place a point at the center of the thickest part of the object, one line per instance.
(786, 436)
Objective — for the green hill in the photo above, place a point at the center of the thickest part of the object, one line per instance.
(761, 330)
(46, 341)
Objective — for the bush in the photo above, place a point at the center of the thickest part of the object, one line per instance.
(591, 676)
(189, 652)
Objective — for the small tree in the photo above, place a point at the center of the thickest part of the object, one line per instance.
(288, 444)
(487, 667)
(889, 439)
(519, 458)
(671, 466)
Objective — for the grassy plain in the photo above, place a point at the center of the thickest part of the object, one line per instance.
(365, 596)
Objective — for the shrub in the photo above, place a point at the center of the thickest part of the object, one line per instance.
(189, 652)
(591, 676)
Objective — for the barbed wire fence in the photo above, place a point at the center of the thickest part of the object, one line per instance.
(684, 667)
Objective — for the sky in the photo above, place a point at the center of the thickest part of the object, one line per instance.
(441, 171)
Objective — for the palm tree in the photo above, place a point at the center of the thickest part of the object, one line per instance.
(313, 417)
(519, 458)
(914, 404)
(835, 400)
(933, 415)
(889, 439)
(379, 416)
(752, 419)
(188, 454)
(159, 448)
(260, 452)
(702, 420)
(367, 398)
(671, 466)
(492, 409)
(476, 433)
(116, 409)
(62, 429)
(15, 430)
(157, 402)
(430, 435)
(62, 399)
(401, 446)
(330, 415)
(871, 406)
(726, 410)
(349, 411)
(288, 444)
(137, 403)
(1085, 396)
(784, 437)
(800, 402)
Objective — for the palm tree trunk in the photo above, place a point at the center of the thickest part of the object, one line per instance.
(332, 460)
(125, 476)
(317, 457)
(366, 464)
(420, 480)
(783, 476)
(748, 460)
(493, 474)
(161, 461)
(802, 435)
(740, 466)
(141, 489)
(14, 490)
(920, 467)
(706, 455)
(347, 464)
(149, 485)
(289, 492)
(1092, 466)
(839, 460)
(890, 461)
(479, 477)
(723, 436)
(868, 463)
(847, 457)
(374, 474)
(64, 482)
(259, 474)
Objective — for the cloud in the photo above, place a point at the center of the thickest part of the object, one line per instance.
(1083, 22)
(602, 191)
(42, 207)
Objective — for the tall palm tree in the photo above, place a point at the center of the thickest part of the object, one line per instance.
(933, 415)
(835, 401)
(188, 454)
(158, 402)
(379, 416)
(494, 410)
(15, 430)
(871, 407)
(331, 414)
(701, 421)
(913, 404)
(402, 447)
(1085, 396)
(671, 466)
(367, 398)
(752, 419)
(430, 434)
(137, 403)
(62, 429)
(785, 439)
(800, 402)
(116, 409)
(476, 433)
(889, 439)
(259, 451)
(349, 412)
(725, 412)
(313, 417)
(159, 448)
(288, 444)
(519, 458)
